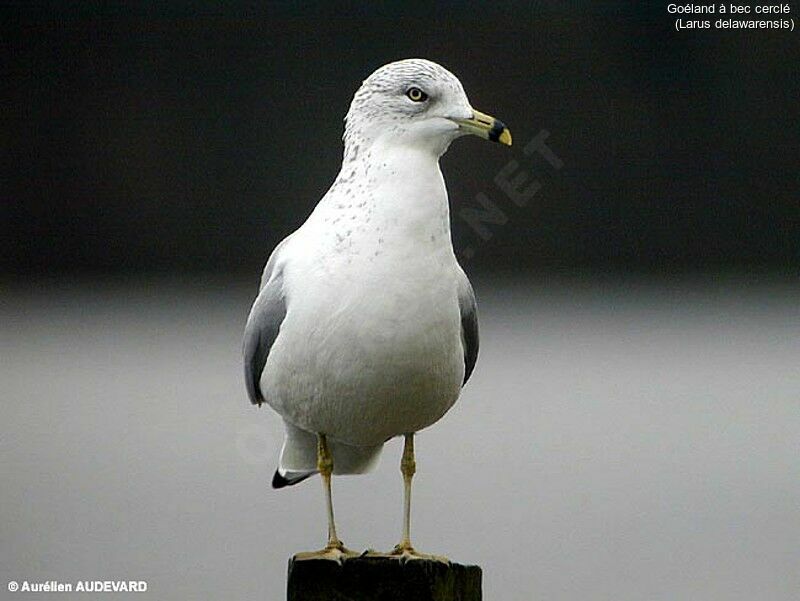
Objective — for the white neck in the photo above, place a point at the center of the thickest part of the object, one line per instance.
(395, 189)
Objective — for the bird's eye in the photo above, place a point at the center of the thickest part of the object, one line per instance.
(416, 95)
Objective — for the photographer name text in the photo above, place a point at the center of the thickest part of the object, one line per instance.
(80, 586)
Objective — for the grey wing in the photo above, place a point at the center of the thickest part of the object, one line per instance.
(263, 325)
(469, 324)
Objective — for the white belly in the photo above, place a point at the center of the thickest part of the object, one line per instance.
(370, 354)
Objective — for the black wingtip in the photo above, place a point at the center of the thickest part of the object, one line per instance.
(279, 481)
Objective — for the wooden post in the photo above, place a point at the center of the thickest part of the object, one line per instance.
(382, 579)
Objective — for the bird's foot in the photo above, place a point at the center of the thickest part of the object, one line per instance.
(405, 552)
(333, 551)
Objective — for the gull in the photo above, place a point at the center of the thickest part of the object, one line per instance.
(365, 326)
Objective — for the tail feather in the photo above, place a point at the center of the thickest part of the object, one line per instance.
(299, 457)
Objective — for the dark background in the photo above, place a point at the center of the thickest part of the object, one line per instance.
(186, 138)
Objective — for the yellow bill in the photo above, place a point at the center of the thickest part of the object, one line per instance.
(486, 127)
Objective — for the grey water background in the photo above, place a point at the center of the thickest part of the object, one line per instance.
(619, 440)
(631, 429)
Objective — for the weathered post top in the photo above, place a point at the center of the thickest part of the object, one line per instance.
(382, 578)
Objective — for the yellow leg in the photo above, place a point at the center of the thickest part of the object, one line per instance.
(408, 467)
(334, 550)
(405, 551)
(325, 467)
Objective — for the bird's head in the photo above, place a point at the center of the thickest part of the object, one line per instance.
(418, 103)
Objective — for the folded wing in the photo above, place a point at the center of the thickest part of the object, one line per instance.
(263, 324)
(469, 323)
